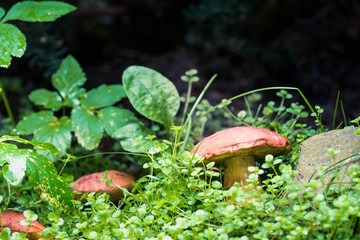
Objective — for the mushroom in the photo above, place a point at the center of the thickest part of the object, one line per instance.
(238, 148)
(11, 219)
(91, 183)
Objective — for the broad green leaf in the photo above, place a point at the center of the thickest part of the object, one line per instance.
(40, 170)
(48, 99)
(56, 132)
(48, 129)
(33, 11)
(2, 13)
(113, 118)
(87, 127)
(129, 134)
(68, 79)
(42, 174)
(48, 147)
(12, 43)
(152, 95)
(5, 149)
(35, 121)
(103, 96)
(14, 172)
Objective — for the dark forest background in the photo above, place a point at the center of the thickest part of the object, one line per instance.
(310, 44)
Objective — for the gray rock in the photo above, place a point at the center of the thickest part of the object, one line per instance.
(313, 154)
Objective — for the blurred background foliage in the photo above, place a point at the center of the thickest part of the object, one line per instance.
(313, 45)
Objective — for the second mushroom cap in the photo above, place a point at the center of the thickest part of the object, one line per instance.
(242, 141)
(91, 183)
(238, 147)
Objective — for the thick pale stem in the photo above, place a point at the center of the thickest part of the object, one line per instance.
(237, 170)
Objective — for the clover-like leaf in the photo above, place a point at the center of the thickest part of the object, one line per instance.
(68, 79)
(5, 234)
(151, 94)
(103, 96)
(34, 11)
(46, 98)
(113, 118)
(12, 43)
(88, 128)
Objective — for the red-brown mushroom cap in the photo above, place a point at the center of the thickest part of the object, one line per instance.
(240, 141)
(91, 183)
(11, 219)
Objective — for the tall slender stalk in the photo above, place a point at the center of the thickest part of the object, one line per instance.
(188, 120)
(7, 106)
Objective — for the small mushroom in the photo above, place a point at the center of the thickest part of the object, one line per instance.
(91, 183)
(11, 219)
(238, 148)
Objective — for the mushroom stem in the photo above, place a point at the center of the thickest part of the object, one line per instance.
(237, 170)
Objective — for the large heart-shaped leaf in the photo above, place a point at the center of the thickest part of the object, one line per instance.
(12, 43)
(103, 96)
(33, 11)
(152, 95)
(88, 128)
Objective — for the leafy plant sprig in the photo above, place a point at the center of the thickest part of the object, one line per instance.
(12, 40)
(16, 162)
(92, 112)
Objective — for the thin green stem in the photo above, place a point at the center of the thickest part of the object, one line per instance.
(106, 153)
(249, 111)
(9, 193)
(187, 125)
(335, 110)
(7, 106)
(187, 101)
(343, 113)
(250, 92)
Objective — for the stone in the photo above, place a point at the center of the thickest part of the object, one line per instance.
(313, 154)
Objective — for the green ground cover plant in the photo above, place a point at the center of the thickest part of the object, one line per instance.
(176, 196)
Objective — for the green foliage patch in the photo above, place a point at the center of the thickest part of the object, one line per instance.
(176, 196)
(12, 40)
(16, 162)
